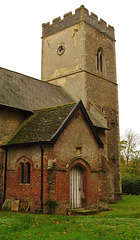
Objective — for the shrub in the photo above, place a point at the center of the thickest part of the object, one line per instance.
(51, 206)
(131, 185)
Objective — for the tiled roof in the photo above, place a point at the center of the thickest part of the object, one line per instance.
(45, 125)
(41, 126)
(97, 122)
(26, 93)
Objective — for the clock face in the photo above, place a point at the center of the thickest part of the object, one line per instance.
(60, 49)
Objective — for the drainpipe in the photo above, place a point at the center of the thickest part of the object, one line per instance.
(5, 174)
(41, 193)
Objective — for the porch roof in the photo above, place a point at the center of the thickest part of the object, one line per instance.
(45, 125)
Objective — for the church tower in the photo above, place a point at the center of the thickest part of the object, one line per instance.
(78, 53)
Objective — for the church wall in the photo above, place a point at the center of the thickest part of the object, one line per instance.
(80, 147)
(76, 145)
(78, 135)
(17, 190)
(10, 119)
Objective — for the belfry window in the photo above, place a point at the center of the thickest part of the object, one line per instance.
(100, 60)
(25, 169)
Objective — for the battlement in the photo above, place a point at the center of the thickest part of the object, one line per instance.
(81, 15)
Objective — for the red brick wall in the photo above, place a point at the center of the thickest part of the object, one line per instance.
(76, 145)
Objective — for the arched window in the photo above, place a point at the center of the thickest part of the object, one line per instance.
(25, 172)
(28, 172)
(21, 172)
(100, 60)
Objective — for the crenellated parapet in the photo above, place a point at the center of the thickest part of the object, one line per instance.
(81, 15)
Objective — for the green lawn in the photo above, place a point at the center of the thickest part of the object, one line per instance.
(122, 222)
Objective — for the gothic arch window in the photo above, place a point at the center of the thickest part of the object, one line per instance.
(28, 167)
(25, 172)
(100, 60)
(21, 172)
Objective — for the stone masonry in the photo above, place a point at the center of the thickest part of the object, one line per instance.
(75, 69)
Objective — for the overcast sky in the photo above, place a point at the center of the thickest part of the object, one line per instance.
(20, 43)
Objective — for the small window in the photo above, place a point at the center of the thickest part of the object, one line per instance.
(100, 60)
(25, 169)
(28, 172)
(21, 172)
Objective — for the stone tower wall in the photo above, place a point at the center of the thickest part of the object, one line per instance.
(64, 69)
(93, 41)
(76, 70)
(72, 39)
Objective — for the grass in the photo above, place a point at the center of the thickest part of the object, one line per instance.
(122, 222)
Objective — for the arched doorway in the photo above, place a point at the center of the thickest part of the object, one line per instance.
(76, 186)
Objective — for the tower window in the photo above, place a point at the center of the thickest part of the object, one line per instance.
(100, 60)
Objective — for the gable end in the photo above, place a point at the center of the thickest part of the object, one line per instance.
(78, 106)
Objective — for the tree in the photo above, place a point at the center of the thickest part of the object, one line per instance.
(130, 151)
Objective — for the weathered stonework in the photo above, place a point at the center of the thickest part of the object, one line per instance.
(81, 15)
(76, 71)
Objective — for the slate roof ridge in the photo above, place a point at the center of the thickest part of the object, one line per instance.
(31, 78)
(53, 107)
(26, 93)
(8, 70)
(36, 79)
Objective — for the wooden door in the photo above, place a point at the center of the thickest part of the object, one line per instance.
(76, 187)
